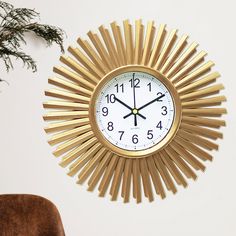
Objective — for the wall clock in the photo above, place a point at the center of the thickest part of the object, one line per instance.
(134, 109)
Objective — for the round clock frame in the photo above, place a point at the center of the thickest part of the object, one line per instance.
(135, 153)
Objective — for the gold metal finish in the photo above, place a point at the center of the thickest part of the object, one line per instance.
(138, 42)
(166, 49)
(66, 95)
(119, 43)
(180, 68)
(148, 43)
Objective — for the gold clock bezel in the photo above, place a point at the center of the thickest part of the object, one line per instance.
(139, 153)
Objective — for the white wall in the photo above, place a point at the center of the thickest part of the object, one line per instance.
(206, 207)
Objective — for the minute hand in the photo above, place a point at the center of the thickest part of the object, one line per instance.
(149, 103)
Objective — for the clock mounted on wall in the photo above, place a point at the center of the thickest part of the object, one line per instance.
(134, 110)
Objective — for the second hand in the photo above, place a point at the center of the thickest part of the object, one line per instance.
(135, 115)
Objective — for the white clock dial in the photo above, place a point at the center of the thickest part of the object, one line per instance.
(134, 111)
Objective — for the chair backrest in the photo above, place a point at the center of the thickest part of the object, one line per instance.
(29, 215)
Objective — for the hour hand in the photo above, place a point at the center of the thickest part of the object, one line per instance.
(124, 104)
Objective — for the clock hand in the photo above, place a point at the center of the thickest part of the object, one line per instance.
(124, 104)
(126, 116)
(145, 105)
(135, 116)
(135, 120)
(134, 92)
(154, 100)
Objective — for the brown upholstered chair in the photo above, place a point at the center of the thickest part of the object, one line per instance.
(29, 215)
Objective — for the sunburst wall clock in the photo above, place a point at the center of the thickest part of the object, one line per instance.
(134, 109)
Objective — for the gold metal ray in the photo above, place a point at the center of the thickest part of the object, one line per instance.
(199, 58)
(93, 150)
(108, 175)
(84, 44)
(150, 33)
(202, 142)
(127, 180)
(204, 112)
(63, 71)
(182, 165)
(202, 121)
(164, 173)
(139, 28)
(89, 168)
(146, 179)
(166, 49)
(209, 133)
(173, 169)
(143, 182)
(155, 177)
(56, 93)
(213, 101)
(174, 54)
(201, 70)
(110, 45)
(63, 148)
(117, 179)
(157, 45)
(65, 115)
(198, 152)
(190, 51)
(69, 86)
(62, 136)
(137, 181)
(79, 69)
(74, 154)
(188, 157)
(64, 125)
(83, 159)
(211, 90)
(101, 50)
(66, 105)
(210, 78)
(99, 171)
(79, 55)
(129, 42)
(119, 43)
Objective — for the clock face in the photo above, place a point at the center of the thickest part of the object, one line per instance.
(134, 111)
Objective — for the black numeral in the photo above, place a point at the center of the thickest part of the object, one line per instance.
(135, 138)
(104, 111)
(159, 125)
(135, 83)
(110, 126)
(121, 134)
(158, 95)
(119, 88)
(110, 98)
(164, 110)
(149, 87)
(150, 134)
